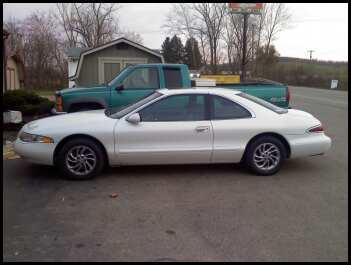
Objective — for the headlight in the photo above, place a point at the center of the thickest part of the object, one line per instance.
(33, 138)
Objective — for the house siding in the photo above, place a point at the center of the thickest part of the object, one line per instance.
(89, 73)
(12, 77)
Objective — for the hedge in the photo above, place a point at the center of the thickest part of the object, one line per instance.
(27, 102)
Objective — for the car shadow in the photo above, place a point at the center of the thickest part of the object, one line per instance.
(295, 166)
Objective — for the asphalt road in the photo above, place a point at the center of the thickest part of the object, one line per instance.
(187, 213)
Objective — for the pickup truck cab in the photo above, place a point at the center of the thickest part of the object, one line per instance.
(137, 81)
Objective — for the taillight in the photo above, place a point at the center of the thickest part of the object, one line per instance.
(288, 95)
(59, 106)
(316, 129)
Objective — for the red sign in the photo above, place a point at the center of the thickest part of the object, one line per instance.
(246, 7)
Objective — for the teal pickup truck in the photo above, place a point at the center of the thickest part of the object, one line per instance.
(135, 82)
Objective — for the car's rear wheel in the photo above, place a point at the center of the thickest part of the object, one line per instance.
(81, 159)
(265, 155)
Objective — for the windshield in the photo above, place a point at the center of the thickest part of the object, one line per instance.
(264, 103)
(113, 80)
(119, 112)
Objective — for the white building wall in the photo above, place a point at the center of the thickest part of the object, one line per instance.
(72, 66)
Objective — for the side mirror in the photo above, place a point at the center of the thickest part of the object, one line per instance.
(134, 118)
(120, 87)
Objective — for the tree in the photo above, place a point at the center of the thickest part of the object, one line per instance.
(15, 42)
(133, 36)
(276, 17)
(88, 24)
(203, 21)
(173, 50)
(41, 47)
(178, 49)
(261, 31)
(211, 17)
(266, 60)
(192, 54)
(166, 50)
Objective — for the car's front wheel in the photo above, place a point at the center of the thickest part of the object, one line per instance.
(265, 155)
(81, 159)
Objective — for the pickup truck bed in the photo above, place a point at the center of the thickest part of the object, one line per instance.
(271, 92)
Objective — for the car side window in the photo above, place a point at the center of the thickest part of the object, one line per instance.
(142, 78)
(175, 108)
(173, 78)
(225, 109)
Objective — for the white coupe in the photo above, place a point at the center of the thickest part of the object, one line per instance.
(179, 126)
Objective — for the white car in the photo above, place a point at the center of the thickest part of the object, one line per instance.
(179, 126)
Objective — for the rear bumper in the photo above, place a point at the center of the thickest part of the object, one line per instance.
(55, 112)
(314, 144)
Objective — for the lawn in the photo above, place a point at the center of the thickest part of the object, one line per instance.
(313, 74)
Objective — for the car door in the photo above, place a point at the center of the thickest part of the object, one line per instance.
(173, 130)
(140, 82)
(232, 125)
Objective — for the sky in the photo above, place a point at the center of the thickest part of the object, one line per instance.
(322, 27)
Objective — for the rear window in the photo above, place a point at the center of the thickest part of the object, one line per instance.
(173, 78)
(263, 103)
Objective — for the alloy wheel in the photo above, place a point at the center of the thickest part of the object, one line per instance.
(80, 160)
(266, 156)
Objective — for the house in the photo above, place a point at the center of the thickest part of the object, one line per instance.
(88, 67)
(13, 77)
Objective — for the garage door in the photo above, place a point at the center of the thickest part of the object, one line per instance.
(109, 67)
(111, 70)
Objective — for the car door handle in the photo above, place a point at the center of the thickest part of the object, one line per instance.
(202, 128)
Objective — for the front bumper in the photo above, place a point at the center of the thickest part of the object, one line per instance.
(55, 112)
(39, 153)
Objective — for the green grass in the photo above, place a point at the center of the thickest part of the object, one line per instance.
(314, 74)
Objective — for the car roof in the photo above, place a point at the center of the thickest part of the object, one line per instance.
(200, 90)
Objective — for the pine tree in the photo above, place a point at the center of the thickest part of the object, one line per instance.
(173, 50)
(178, 51)
(166, 50)
(192, 54)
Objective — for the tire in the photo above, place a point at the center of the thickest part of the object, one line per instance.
(268, 163)
(82, 167)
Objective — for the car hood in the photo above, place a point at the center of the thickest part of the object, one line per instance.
(70, 121)
(81, 89)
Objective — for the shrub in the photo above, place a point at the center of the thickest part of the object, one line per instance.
(27, 102)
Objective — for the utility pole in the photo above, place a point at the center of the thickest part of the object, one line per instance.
(246, 9)
(310, 51)
(243, 63)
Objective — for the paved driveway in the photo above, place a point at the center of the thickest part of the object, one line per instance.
(187, 213)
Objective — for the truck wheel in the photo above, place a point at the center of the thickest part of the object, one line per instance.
(265, 155)
(81, 159)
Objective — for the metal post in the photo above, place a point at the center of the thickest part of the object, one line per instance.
(243, 63)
